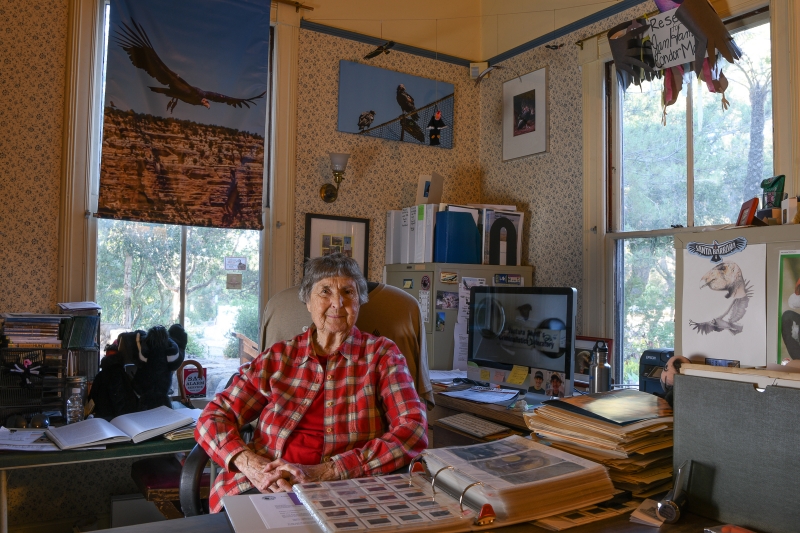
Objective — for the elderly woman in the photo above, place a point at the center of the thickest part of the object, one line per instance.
(332, 403)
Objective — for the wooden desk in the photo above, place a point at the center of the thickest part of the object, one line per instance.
(17, 460)
(447, 406)
(218, 523)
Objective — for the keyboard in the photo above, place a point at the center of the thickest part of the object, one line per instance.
(472, 425)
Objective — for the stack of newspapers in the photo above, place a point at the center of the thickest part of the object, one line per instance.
(628, 431)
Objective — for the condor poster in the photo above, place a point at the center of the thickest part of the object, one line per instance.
(184, 112)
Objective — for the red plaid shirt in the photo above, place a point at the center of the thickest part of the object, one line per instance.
(374, 420)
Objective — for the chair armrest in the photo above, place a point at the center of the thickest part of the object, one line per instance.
(191, 473)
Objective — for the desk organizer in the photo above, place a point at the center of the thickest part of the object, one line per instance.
(31, 381)
(743, 445)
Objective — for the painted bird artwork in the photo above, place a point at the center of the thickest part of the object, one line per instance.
(406, 102)
(726, 277)
(365, 120)
(382, 49)
(142, 54)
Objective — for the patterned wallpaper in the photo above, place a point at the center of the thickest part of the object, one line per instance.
(548, 187)
(32, 69)
(381, 175)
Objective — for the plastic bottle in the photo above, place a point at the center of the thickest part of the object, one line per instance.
(599, 369)
(75, 406)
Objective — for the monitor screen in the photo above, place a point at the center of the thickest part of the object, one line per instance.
(532, 327)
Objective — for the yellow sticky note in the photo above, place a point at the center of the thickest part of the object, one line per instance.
(485, 375)
(518, 375)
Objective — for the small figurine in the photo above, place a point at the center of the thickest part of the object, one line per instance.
(435, 125)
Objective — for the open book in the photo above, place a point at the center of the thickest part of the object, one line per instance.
(135, 427)
(522, 480)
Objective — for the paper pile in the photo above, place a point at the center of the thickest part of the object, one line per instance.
(628, 431)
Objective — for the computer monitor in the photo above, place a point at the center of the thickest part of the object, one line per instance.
(531, 327)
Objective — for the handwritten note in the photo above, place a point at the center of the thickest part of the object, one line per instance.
(673, 44)
(518, 375)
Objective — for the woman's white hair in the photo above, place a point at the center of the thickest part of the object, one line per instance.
(330, 266)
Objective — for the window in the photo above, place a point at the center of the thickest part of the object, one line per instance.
(694, 171)
(148, 274)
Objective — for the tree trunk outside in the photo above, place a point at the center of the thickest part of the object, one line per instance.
(127, 292)
(755, 155)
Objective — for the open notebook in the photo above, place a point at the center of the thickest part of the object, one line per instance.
(135, 427)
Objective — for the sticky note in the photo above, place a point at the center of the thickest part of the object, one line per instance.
(518, 375)
(485, 375)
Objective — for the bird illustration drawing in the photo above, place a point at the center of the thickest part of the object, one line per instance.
(406, 102)
(142, 54)
(382, 49)
(365, 120)
(726, 277)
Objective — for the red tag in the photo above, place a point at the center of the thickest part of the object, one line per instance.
(193, 384)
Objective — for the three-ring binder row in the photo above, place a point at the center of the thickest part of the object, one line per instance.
(459, 489)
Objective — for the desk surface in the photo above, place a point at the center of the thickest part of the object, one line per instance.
(489, 411)
(157, 446)
(218, 523)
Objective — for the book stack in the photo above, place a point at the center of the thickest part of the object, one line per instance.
(628, 431)
(29, 330)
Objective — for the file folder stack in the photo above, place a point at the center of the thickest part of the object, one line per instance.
(635, 442)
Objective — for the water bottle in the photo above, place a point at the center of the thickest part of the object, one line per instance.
(599, 369)
(75, 406)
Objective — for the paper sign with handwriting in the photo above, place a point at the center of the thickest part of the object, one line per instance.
(673, 44)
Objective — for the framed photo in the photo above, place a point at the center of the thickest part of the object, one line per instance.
(525, 115)
(328, 234)
(747, 212)
(583, 355)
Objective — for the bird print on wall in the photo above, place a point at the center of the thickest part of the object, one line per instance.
(726, 277)
(365, 120)
(406, 102)
(382, 49)
(142, 54)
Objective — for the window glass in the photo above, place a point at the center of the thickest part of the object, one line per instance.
(733, 152)
(733, 148)
(653, 159)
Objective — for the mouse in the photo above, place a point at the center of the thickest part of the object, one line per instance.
(40, 421)
(16, 422)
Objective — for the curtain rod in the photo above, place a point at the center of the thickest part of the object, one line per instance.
(580, 42)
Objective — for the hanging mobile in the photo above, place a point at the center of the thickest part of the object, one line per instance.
(435, 126)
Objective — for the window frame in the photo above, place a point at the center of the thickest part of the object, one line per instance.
(601, 177)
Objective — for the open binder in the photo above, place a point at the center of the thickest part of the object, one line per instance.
(520, 480)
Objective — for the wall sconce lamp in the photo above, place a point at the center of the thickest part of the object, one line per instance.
(328, 192)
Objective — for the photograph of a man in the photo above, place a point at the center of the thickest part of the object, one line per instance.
(538, 383)
(556, 387)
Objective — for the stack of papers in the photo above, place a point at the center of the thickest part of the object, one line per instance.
(484, 394)
(627, 430)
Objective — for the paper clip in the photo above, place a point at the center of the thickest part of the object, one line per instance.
(433, 481)
(412, 469)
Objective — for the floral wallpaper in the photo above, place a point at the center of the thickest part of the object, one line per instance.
(33, 51)
(548, 186)
(381, 174)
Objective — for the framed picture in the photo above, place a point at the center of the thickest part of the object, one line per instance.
(525, 115)
(583, 355)
(328, 234)
(747, 212)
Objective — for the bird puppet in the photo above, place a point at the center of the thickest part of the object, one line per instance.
(26, 370)
(382, 49)
(142, 54)
(726, 277)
